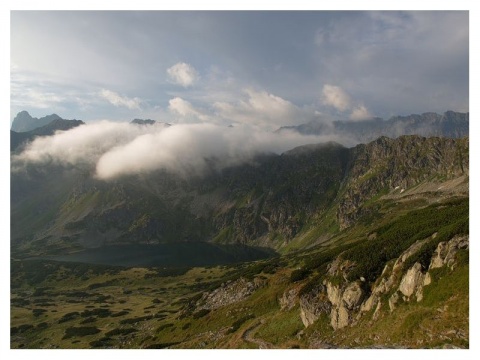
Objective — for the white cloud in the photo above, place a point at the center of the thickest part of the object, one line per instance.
(186, 111)
(181, 107)
(81, 145)
(261, 108)
(335, 96)
(111, 149)
(360, 113)
(118, 100)
(182, 74)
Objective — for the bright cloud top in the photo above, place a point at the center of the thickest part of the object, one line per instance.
(113, 149)
(335, 96)
(182, 74)
(338, 98)
(118, 100)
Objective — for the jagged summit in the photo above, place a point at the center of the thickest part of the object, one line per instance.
(25, 122)
(451, 124)
(143, 121)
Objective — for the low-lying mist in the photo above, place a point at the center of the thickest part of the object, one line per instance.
(112, 149)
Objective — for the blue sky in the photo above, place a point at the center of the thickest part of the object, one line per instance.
(270, 68)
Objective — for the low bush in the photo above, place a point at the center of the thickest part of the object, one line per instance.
(69, 316)
(200, 313)
(236, 325)
(118, 331)
(164, 326)
(299, 274)
(80, 331)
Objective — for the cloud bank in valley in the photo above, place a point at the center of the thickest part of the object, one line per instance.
(112, 150)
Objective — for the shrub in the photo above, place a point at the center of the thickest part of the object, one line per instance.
(38, 312)
(135, 320)
(118, 331)
(370, 256)
(299, 274)
(80, 331)
(69, 316)
(200, 313)
(164, 326)
(236, 325)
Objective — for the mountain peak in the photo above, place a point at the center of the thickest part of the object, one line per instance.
(143, 121)
(25, 122)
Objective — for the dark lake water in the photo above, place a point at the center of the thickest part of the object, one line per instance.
(168, 255)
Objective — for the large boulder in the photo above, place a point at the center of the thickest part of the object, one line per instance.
(412, 282)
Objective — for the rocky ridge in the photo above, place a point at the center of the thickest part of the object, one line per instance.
(449, 124)
(268, 202)
(346, 302)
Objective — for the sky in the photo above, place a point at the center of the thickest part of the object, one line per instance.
(263, 68)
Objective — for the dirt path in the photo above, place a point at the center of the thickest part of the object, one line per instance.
(250, 332)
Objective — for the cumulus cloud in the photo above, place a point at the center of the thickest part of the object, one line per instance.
(335, 96)
(182, 74)
(338, 98)
(261, 108)
(111, 150)
(118, 100)
(360, 113)
(186, 111)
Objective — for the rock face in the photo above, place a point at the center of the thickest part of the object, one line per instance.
(386, 164)
(412, 282)
(348, 301)
(313, 304)
(229, 293)
(289, 299)
(345, 300)
(446, 251)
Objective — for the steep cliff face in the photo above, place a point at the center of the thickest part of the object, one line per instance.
(386, 164)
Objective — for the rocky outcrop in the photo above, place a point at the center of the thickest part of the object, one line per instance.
(348, 301)
(387, 164)
(445, 253)
(289, 299)
(313, 304)
(345, 301)
(229, 293)
(412, 282)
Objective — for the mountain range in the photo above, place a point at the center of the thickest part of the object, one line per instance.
(321, 246)
(450, 124)
(271, 201)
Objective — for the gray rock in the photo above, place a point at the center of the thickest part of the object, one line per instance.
(352, 296)
(412, 281)
(313, 304)
(446, 251)
(289, 299)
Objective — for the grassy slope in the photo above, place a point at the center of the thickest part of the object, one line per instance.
(124, 294)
